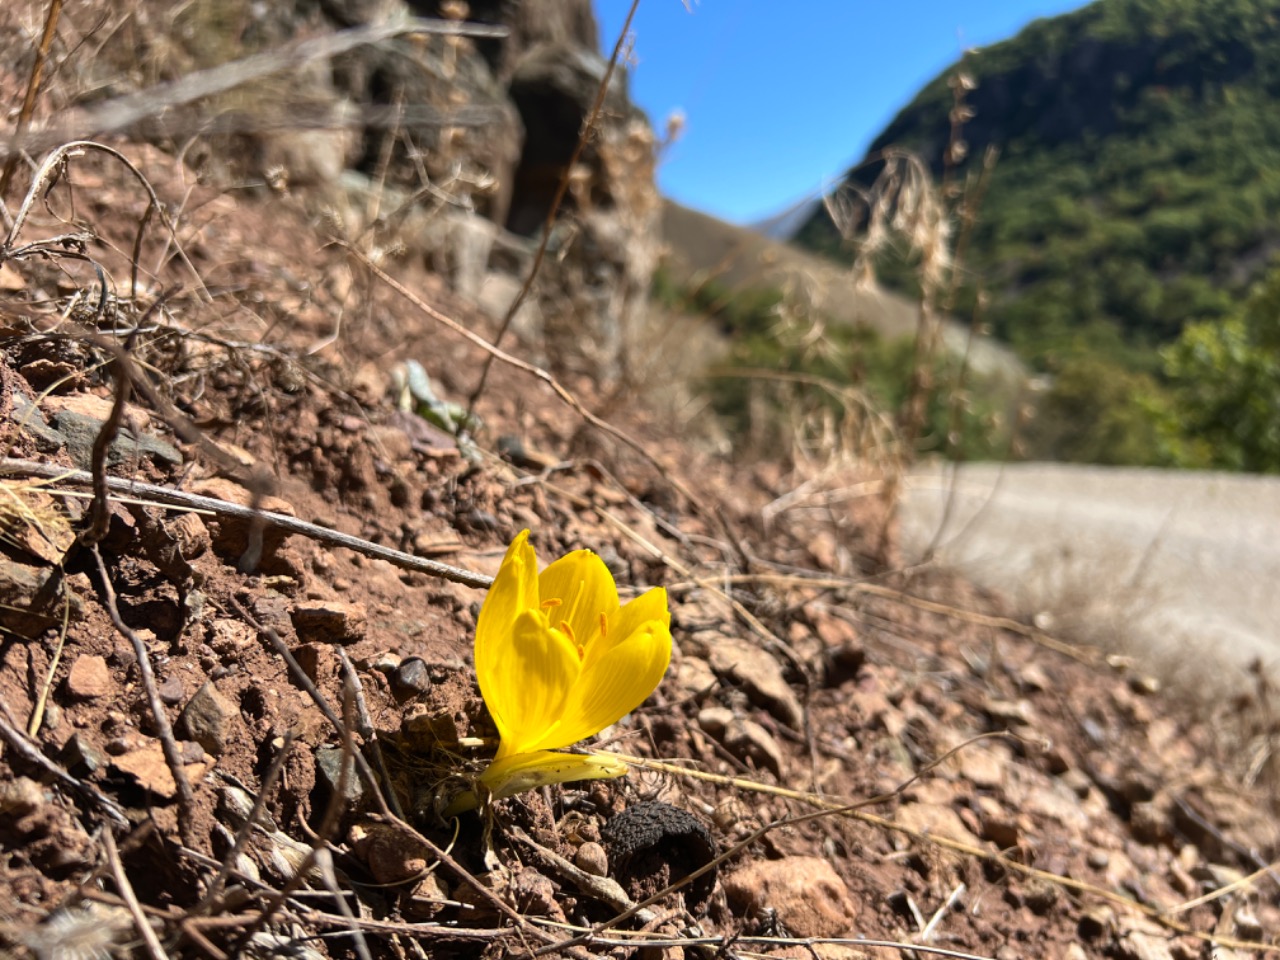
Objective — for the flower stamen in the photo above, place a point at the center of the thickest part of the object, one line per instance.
(566, 628)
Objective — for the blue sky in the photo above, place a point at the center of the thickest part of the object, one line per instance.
(780, 97)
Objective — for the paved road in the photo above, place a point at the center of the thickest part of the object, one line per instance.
(1180, 563)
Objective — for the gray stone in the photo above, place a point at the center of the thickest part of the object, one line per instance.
(80, 757)
(80, 432)
(411, 677)
(208, 719)
(32, 421)
(328, 772)
(171, 690)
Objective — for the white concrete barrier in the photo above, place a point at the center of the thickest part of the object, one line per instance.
(1183, 564)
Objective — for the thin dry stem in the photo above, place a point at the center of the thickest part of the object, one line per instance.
(561, 392)
(48, 173)
(829, 808)
(140, 922)
(250, 822)
(123, 112)
(33, 88)
(328, 824)
(195, 502)
(186, 799)
(856, 811)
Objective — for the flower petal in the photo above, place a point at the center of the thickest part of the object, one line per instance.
(613, 686)
(622, 623)
(530, 683)
(585, 588)
(514, 591)
(528, 771)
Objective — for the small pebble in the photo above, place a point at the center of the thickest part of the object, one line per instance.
(191, 751)
(592, 859)
(329, 772)
(88, 678)
(209, 719)
(81, 757)
(411, 677)
(171, 690)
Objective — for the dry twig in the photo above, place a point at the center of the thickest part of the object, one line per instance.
(130, 898)
(328, 823)
(186, 800)
(191, 501)
(33, 88)
(250, 822)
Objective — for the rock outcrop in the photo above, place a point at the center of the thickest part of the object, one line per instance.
(453, 149)
(446, 148)
(521, 101)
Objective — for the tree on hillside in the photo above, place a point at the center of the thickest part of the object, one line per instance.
(1225, 379)
(1096, 411)
(1139, 177)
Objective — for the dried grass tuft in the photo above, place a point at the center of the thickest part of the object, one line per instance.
(902, 205)
(32, 521)
(85, 932)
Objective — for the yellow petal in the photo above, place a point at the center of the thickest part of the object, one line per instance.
(585, 588)
(613, 686)
(514, 591)
(530, 683)
(650, 605)
(528, 771)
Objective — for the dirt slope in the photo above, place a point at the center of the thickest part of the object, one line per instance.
(263, 561)
(1085, 823)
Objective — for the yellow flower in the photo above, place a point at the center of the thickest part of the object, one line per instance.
(558, 660)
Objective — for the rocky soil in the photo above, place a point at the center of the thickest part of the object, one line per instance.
(236, 681)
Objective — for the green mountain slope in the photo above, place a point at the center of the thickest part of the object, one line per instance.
(1138, 185)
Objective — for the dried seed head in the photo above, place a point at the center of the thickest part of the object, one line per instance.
(78, 933)
(903, 202)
